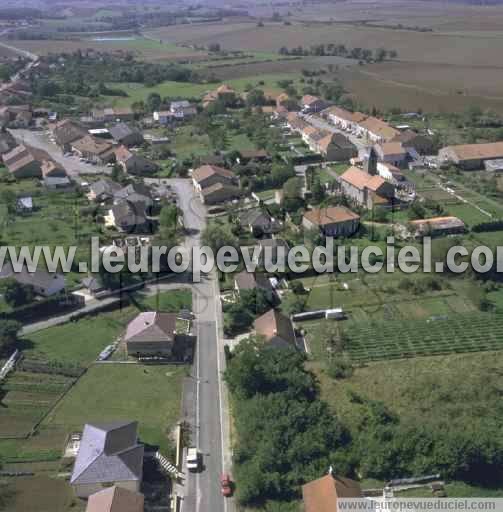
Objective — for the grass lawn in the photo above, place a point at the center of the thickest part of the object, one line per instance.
(81, 341)
(78, 342)
(169, 89)
(149, 394)
(266, 195)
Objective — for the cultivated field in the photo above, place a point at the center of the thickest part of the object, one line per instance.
(456, 63)
(144, 49)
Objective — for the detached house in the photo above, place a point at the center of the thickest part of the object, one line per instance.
(43, 283)
(366, 189)
(392, 153)
(129, 217)
(248, 281)
(258, 222)
(103, 190)
(312, 104)
(182, 109)
(334, 221)
(208, 175)
(276, 329)
(109, 454)
(151, 334)
(322, 495)
(132, 163)
(223, 93)
(115, 499)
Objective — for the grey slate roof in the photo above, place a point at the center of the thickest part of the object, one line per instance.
(135, 192)
(40, 278)
(108, 453)
(254, 217)
(105, 188)
(121, 130)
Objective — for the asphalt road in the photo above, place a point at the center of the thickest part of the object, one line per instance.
(321, 124)
(72, 164)
(205, 402)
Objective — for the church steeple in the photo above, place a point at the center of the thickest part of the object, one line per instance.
(371, 162)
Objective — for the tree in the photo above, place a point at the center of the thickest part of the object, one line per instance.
(168, 221)
(16, 294)
(154, 102)
(380, 54)
(218, 235)
(9, 199)
(317, 190)
(255, 98)
(8, 334)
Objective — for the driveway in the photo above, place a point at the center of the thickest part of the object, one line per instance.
(72, 164)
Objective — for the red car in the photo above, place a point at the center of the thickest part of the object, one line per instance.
(226, 485)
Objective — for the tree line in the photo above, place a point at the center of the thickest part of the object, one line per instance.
(340, 50)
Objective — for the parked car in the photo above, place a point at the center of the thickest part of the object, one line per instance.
(192, 459)
(226, 485)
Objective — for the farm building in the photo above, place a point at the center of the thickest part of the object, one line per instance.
(470, 156)
(25, 161)
(437, 226)
(334, 221)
